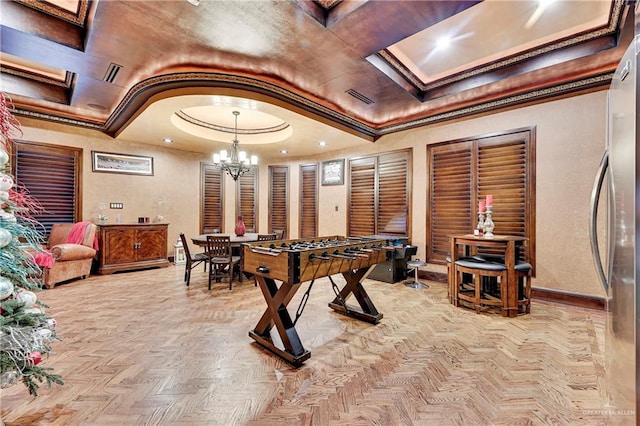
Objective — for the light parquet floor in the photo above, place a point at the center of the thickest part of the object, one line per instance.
(140, 348)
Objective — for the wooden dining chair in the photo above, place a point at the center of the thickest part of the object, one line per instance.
(192, 260)
(222, 262)
(279, 234)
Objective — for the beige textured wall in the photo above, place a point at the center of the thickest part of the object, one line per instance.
(570, 142)
(176, 179)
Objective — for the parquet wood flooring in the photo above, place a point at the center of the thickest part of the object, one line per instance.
(140, 348)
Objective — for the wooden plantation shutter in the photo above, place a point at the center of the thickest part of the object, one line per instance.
(393, 193)
(464, 172)
(502, 172)
(211, 198)
(309, 201)
(278, 198)
(362, 196)
(51, 174)
(451, 189)
(246, 197)
(379, 189)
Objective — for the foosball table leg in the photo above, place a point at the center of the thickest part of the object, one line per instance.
(276, 314)
(367, 311)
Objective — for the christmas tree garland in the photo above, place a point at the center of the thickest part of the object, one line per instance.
(26, 331)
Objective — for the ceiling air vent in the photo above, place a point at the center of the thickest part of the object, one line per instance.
(112, 72)
(359, 96)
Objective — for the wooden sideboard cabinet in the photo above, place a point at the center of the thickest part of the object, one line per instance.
(125, 247)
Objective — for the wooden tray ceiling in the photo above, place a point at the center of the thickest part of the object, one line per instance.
(350, 65)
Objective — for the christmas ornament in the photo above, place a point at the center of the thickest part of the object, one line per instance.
(7, 217)
(6, 182)
(32, 311)
(4, 157)
(9, 378)
(34, 357)
(4, 195)
(5, 237)
(51, 323)
(45, 333)
(28, 297)
(6, 288)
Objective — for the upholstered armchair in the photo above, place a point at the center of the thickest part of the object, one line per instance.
(73, 250)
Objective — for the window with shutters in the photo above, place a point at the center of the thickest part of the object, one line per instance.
(246, 196)
(379, 188)
(211, 192)
(309, 201)
(51, 175)
(463, 172)
(278, 199)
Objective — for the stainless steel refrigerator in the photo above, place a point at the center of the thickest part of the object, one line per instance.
(618, 181)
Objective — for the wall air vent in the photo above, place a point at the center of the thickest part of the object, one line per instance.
(359, 96)
(112, 72)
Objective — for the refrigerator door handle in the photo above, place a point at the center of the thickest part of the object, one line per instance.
(593, 228)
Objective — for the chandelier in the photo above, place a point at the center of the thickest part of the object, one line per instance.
(236, 162)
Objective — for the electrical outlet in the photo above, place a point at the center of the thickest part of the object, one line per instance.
(116, 206)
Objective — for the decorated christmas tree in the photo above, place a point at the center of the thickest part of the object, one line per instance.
(26, 331)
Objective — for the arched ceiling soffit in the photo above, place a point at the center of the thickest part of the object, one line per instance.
(173, 84)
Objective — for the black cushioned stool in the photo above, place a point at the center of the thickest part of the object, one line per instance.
(475, 291)
(523, 271)
(451, 291)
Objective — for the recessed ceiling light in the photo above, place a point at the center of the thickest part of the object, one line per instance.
(194, 2)
(323, 143)
(167, 140)
(443, 42)
(284, 151)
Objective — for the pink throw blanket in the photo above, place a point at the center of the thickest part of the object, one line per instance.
(76, 235)
(44, 259)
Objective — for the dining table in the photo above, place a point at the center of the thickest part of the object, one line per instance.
(236, 243)
(507, 246)
(236, 240)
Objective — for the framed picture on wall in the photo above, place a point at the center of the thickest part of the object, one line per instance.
(333, 172)
(121, 163)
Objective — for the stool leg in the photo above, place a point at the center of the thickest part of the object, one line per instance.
(478, 291)
(527, 292)
(450, 292)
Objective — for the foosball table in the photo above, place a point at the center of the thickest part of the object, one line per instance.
(294, 262)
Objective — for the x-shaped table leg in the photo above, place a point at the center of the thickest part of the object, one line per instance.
(276, 314)
(367, 311)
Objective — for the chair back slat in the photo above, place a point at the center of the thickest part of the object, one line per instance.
(219, 246)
